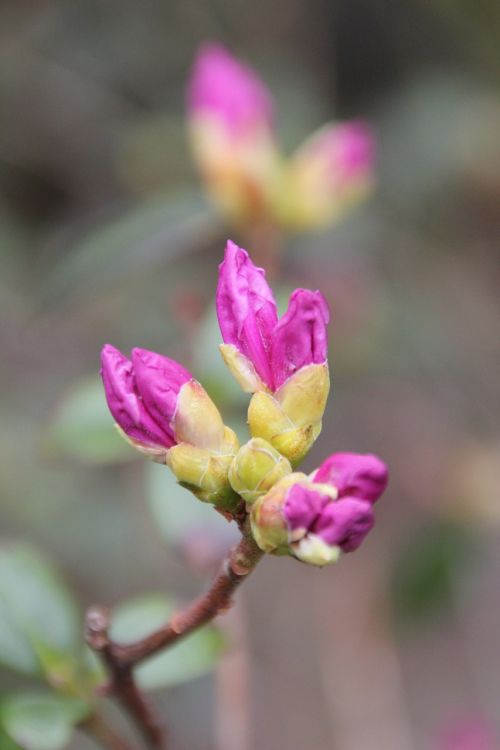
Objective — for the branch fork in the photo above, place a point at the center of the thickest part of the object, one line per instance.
(120, 660)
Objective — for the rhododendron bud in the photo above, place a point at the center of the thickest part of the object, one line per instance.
(256, 468)
(205, 471)
(165, 413)
(230, 119)
(282, 361)
(316, 520)
(361, 475)
(331, 172)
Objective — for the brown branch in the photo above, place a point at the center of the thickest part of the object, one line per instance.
(121, 679)
(121, 659)
(97, 727)
(240, 561)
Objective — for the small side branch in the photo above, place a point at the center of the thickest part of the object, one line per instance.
(233, 571)
(120, 660)
(122, 684)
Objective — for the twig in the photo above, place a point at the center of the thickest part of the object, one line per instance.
(121, 660)
(121, 679)
(97, 727)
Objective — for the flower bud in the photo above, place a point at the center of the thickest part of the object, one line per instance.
(282, 361)
(269, 526)
(256, 468)
(291, 418)
(205, 472)
(317, 520)
(163, 412)
(230, 122)
(330, 173)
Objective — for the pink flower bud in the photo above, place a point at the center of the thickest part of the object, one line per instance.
(363, 476)
(317, 520)
(159, 381)
(248, 319)
(330, 172)
(127, 406)
(340, 523)
(225, 89)
(282, 362)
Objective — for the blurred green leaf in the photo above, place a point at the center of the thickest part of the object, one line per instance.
(83, 427)
(35, 608)
(190, 658)
(180, 516)
(7, 743)
(41, 721)
(425, 571)
(163, 227)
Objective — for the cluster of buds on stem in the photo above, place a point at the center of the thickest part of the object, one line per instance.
(282, 362)
(231, 124)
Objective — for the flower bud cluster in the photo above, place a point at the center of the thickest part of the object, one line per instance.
(166, 414)
(231, 123)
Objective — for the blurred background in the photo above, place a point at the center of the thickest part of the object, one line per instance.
(106, 235)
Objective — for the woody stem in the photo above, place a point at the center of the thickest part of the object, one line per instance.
(121, 659)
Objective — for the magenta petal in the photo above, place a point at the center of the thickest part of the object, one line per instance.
(125, 403)
(223, 86)
(303, 506)
(300, 338)
(159, 380)
(347, 151)
(345, 523)
(246, 309)
(361, 475)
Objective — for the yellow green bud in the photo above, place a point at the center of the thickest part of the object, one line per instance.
(205, 471)
(268, 522)
(290, 419)
(256, 468)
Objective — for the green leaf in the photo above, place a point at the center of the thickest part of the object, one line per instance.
(160, 228)
(35, 608)
(180, 517)
(425, 571)
(42, 721)
(190, 658)
(6, 742)
(83, 427)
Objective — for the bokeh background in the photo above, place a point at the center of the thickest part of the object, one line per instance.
(105, 235)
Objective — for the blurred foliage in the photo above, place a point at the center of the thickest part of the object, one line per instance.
(427, 571)
(83, 428)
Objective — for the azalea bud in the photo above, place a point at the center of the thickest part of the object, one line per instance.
(269, 526)
(230, 123)
(330, 173)
(283, 362)
(256, 468)
(163, 412)
(315, 521)
(291, 418)
(205, 472)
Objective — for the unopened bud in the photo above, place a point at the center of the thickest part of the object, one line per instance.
(290, 419)
(205, 471)
(256, 468)
(269, 525)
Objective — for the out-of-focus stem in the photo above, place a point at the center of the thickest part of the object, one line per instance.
(98, 728)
